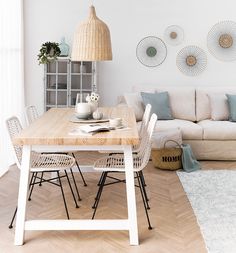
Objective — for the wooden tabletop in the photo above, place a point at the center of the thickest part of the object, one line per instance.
(53, 128)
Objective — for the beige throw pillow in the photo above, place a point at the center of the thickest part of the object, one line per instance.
(134, 100)
(182, 102)
(219, 106)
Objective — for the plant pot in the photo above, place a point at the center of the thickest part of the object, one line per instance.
(52, 52)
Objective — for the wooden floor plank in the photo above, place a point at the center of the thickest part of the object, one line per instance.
(175, 227)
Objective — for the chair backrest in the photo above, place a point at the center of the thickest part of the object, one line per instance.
(146, 117)
(143, 154)
(14, 128)
(31, 114)
(144, 124)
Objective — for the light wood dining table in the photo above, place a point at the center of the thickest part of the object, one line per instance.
(51, 132)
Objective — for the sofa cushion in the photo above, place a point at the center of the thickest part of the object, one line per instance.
(160, 104)
(167, 139)
(203, 110)
(219, 106)
(218, 130)
(190, 130)
(232, 107)
(182, 100)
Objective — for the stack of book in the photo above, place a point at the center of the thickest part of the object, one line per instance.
(89, 129)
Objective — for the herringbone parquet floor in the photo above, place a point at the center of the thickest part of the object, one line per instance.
(175, 227)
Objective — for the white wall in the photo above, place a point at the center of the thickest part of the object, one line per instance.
(129, 21)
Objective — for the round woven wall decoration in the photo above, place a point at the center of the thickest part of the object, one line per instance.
(151, 51)
(174, 35)
(221, 40)
(191, 60)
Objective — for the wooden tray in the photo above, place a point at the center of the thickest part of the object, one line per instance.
(74, 119)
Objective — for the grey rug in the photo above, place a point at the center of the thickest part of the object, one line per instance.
(212, 195)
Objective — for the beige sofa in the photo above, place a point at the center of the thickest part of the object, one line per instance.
(191, 109)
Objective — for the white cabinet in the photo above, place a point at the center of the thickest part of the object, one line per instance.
(63, 79)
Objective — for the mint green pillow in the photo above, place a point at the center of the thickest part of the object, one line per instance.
(232, 107)
(160, 104)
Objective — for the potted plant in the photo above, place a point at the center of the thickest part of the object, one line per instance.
(48, 52)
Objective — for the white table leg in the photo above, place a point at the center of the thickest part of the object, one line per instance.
(131, 200)
(22, 196)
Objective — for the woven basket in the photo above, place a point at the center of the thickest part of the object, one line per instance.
(167, 158)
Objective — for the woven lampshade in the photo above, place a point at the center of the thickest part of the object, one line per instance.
(92, 40)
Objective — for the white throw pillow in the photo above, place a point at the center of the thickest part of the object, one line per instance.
(219, 106)
(134, 100)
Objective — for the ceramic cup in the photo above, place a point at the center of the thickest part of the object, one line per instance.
(115, 122)
(83, 110)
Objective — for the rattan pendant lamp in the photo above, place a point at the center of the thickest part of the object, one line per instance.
(92, 41)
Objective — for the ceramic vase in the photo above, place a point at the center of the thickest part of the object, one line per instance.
(93, 106)
(64, 47)
(97, 115)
